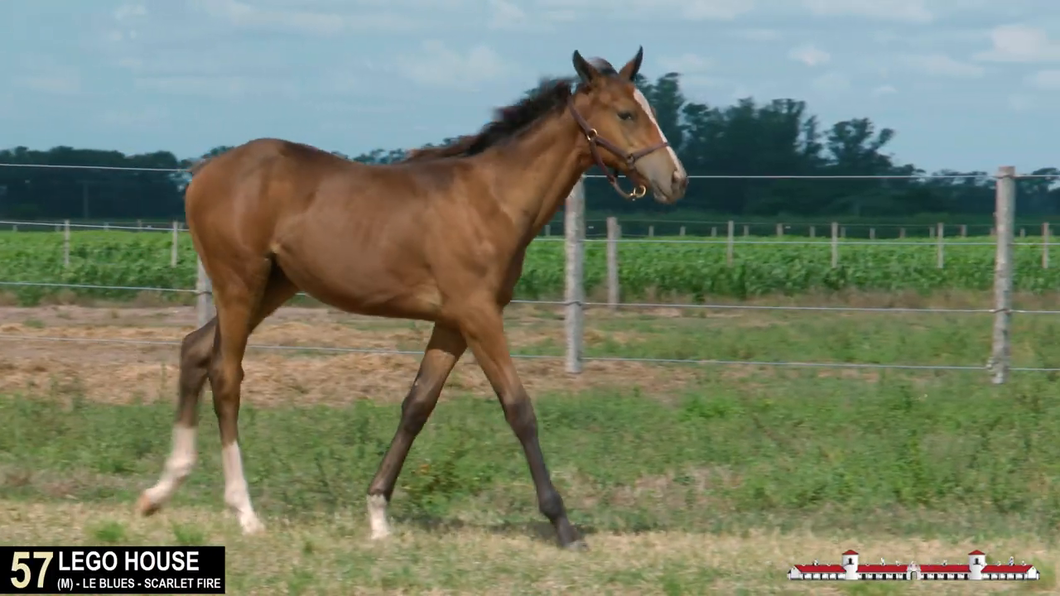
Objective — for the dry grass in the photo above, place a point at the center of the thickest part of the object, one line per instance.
(335, 556)
(116, 373)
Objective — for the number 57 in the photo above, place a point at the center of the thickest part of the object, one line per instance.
(27, 573)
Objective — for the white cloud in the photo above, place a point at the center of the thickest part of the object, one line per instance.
(1020, 43)
(308, 22)
(809, 55)
(55, 84)
(883, 90)
(913, 11)
(886, 37)
(506, 15)
(242, 14)
(134, 118)
(439, 66)
(1045, 79)
(687, 63)
(128, 11)
(943, 65)
(216, 87)
(724, 10)
(692, 10)
(1021, 103)
(831, 82)
(760, 35)
(123, 17)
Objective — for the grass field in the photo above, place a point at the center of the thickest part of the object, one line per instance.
(685, 480)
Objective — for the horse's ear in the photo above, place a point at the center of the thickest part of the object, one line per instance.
(630, 70)
(587, 72)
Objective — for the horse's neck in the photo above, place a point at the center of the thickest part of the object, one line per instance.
(537, 171)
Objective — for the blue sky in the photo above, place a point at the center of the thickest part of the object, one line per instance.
(966, 83)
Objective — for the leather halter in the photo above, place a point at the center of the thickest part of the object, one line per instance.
(631, 158)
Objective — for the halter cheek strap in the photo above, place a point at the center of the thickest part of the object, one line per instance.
(595, 141)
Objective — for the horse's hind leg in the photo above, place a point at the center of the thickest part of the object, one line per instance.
(238, 313)
(201, 357)
(195, 353)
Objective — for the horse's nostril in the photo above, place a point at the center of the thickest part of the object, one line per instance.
(680, 182)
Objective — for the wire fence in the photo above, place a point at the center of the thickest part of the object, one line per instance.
(689, 231)
(1047, 238)
(646, 227)
(575, 304)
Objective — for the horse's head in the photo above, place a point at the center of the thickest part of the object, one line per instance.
(616, 117)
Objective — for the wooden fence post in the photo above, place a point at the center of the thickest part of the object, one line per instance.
(1003, 222)
(835, 244)
(204, 295)
(730, 244)
(614, 232)
(939, 237)
(574, 234)
(1045, 245)
(66, 243)
(176, 243)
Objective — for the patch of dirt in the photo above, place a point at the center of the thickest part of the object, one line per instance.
(131, 372)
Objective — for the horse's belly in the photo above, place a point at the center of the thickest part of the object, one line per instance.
(360, 285)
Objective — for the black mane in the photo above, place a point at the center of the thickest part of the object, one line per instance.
(550, 95)
(508, 122)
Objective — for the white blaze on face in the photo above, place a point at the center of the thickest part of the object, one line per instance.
(643, 101)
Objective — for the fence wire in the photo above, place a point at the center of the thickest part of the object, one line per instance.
(602, 305)
(978, 176)
(673, 361)
(823, 242)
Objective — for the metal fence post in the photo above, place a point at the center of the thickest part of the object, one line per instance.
(574, 234)
(1004, 216)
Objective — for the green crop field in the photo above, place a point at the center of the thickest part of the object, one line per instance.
(682, 271)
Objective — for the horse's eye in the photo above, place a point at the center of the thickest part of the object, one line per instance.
(625, 115)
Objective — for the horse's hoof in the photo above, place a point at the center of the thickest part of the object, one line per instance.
(251, 525)
(577, 545)
(146, 507)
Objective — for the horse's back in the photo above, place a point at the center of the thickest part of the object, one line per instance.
(246, 191)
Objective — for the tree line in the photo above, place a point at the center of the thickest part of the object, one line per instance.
(749, 138)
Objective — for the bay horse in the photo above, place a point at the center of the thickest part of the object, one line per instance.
(438, 237)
